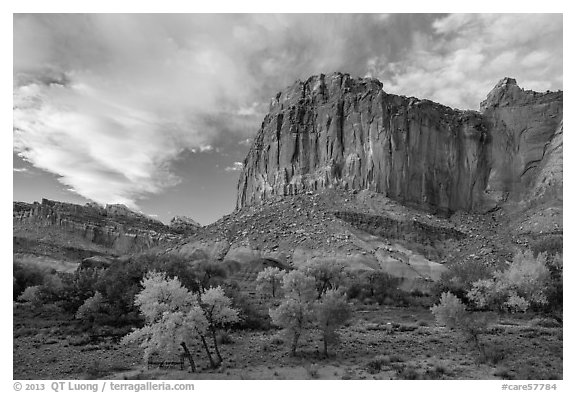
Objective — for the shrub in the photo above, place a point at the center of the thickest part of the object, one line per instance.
(79, 286)
(460, 277)
(32, 295)
(450, 312)
(25, 275)
(379, 286)
(92, 309)
(375, 365)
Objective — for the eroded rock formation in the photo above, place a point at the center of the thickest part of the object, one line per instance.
(338, 131)
(113, 227)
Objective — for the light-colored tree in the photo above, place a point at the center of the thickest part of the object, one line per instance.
(218, 311)
(332, 311)
(176, 317)
(524, 283)
(295, 314)
(528, 276)
(452, 313)
(161, 294)
(269, 280)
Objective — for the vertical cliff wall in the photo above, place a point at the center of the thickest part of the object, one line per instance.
(338, 131)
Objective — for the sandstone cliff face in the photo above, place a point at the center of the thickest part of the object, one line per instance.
(526, 133)
(113, 227)
(337, 131)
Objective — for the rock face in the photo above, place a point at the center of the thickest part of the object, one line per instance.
(526, 140)
(114, 227)
(182, 224)
(337, 131)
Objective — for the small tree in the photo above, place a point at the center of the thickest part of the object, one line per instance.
(528, 275)
(328, 274)
(269, 280)
(295, 313)
(452, 313)
(218, 312)
(332, 311)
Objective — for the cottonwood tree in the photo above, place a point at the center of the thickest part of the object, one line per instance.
(524, 283)
(295, 314)
(269, 280)
(174, 317)
(328, 274)
(332, 311)
(452, 313)
(218, 311)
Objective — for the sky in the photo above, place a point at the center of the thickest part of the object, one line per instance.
(157, 111)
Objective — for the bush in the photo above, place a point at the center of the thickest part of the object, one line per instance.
(32, 295)
(375, 365)
(450, 312)
(524, 283)
(379, 286)
(460, 277)
(25, 275)
(93, 309)
(79, 286)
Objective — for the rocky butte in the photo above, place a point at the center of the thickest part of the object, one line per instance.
(337, 131)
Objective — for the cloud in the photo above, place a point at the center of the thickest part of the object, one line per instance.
(237, 166)
(466, 54)
(108, 102)
(21, 170)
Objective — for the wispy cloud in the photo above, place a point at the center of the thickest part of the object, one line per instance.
(237, 166)
(109, 102)
(21, 170)
(466, 54)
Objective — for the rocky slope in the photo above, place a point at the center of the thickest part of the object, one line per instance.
(333, 130)
(75, 232)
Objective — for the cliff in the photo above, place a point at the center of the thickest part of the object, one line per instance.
(336, 131)
(112, 229)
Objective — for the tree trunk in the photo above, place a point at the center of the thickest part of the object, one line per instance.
(188, 356)
(295, 343)
(325, 347)
(216, 345)
(212, 364)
